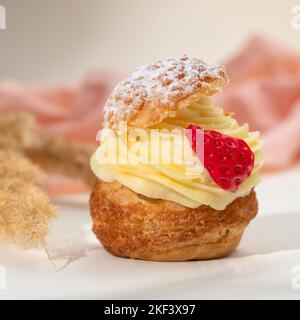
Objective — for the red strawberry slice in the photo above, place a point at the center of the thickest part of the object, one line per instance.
(229, 161)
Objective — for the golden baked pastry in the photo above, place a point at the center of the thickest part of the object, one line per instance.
(133, 226)
(157, 91)
(155, 203)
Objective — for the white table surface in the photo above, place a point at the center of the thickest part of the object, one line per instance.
(264, 266)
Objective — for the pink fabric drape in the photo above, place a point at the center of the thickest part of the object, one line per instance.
(264, 91)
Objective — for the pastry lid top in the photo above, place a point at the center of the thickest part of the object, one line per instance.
(157, 91)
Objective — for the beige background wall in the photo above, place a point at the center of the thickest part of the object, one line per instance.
(57, 41)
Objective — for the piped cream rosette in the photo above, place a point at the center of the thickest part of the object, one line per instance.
(158, 161)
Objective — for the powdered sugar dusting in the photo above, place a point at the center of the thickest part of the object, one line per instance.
(159, 84)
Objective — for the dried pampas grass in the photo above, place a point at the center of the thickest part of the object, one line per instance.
(19, 131)
(25, 211)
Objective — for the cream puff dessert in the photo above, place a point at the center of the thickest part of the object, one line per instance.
(176, 174)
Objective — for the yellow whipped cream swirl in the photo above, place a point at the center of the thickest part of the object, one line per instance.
(186, 183)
